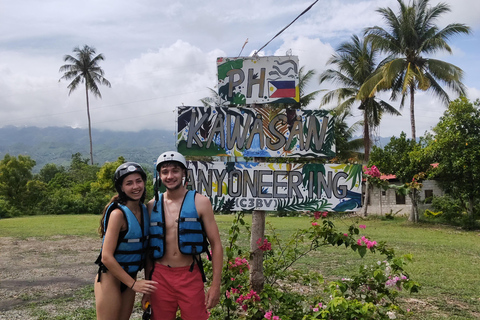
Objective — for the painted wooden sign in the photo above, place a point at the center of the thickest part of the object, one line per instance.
(248, 80)
(255, 132)
(235, 186)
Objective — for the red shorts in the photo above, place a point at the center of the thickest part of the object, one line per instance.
(178, 288)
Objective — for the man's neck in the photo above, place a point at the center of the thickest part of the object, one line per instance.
(176, 194)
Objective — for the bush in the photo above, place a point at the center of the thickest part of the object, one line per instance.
(453, 211)
(370, 294)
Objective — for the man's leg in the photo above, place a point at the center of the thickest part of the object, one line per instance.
(192, 297)
(164, 299)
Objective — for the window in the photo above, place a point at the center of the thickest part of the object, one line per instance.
(399, 199)
(384, 193)
(428, 196)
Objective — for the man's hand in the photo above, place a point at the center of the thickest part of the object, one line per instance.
(213, 297)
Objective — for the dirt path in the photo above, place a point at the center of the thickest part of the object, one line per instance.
(33, 270)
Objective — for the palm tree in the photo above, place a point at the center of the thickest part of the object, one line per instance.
(84, 68)
(412, 33)
(345, 143)
(355, 62)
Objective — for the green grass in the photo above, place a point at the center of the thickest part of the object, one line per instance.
(446, 259)
(49, 226)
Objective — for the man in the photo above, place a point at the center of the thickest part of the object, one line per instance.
(181, 223)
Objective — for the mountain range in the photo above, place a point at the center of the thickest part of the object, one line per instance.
(58, 144)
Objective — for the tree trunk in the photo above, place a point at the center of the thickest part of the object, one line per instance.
(89, 125)
(366, 135)
(412, 110)
(257, 278)
(414, 211)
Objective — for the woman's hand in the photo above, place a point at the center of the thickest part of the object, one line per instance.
(145, 286)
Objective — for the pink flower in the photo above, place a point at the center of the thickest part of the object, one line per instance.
(362, 226)
(345, 234)
(266, 245)
(315, 309)
(268, 315)
(233, 279)
(314, 224)
(320, 214)
(276, 318)
(367, 242)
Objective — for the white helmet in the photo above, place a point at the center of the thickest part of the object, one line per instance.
(171, 156)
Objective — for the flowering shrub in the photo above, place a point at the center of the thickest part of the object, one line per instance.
(371, 294)
(266, 246)
(373, 176)
(372, 171)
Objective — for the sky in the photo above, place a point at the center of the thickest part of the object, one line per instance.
(162, 54)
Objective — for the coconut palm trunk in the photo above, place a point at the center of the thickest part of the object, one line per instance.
(412, 111)
(89, 124)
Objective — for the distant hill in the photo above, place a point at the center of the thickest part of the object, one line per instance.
(379, 141)
(57, 144)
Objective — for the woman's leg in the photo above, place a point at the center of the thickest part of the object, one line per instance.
(108, 298)
(128, 299)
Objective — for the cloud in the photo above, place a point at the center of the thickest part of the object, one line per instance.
(162, 54)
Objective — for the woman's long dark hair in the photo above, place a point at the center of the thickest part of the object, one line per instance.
(101, 228)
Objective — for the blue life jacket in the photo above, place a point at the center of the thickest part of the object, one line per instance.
(131, 248)
(192, 239)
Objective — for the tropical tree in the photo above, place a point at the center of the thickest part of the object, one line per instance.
(346, 146)
(15, 173)
(410, 35)
(408, 161)
(84, 68)
(355, 63)
(456, 145)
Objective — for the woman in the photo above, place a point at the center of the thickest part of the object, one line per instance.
(124, 228)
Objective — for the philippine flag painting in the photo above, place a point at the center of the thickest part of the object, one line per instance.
(282, 89)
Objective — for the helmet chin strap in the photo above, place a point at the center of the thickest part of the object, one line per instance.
(156, 190)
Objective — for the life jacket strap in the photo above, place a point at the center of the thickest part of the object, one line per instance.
(186, 219)
(197, 259)
(183, 231)
(157, 224)
(101, 267)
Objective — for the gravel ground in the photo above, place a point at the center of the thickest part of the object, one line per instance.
(39, 271)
